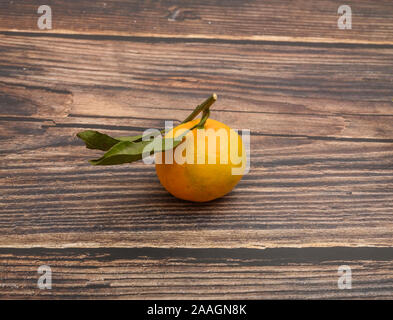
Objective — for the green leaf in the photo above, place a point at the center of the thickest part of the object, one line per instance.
(122, 152)
(97, 140)
(136, 138)
(130, 139)
(167, 144)
(100, 141)
(127, 151)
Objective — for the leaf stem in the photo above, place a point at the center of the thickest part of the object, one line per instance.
(201, 123)
(202, 107)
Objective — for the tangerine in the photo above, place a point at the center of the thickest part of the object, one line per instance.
(206, 165)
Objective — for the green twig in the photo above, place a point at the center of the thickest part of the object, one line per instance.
(202, 107)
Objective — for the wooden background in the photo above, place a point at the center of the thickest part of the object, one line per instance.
(318, 102)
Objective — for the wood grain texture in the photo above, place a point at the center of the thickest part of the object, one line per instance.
(330, 92)
(284, 20)
(146, 273)
(319, 107)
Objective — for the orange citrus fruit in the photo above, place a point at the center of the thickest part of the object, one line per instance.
(206, 165)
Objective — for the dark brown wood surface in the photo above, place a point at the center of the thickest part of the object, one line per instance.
(283, 20)
(318, 102)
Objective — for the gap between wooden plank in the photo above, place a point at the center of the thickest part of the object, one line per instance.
(310, 41)
(250, 256)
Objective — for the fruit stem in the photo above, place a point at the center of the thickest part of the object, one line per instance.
(204, 106)
(205, 116)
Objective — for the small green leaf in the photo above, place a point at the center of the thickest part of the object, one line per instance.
(131, 148)
(100, 141)
(127, 151)
(138, 137)
(122, 152)
(167, 144)
(130, 139)
(97, 140)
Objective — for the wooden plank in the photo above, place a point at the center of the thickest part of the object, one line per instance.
(320, 191)
(300, 192)
(330, 93)
(321, 143)
(283, 20)
(129, 273)
(246, 71)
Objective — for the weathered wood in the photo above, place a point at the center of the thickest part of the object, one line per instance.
(329, 93)
(321, 173)
(284, 20)
(129, 273)
(318, 102)
(252, 73)
(300, 192)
